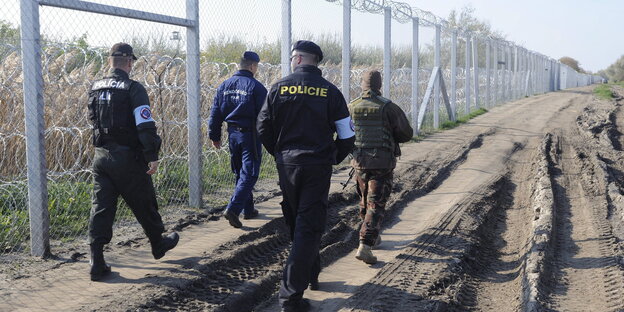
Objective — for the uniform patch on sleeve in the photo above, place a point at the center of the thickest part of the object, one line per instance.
(145, 113)
(345, 128)
(142, 114)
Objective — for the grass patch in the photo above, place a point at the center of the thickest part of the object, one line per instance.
(604, 92)
(452, 124)
(69, 204)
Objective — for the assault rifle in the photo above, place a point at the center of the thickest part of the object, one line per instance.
(351, 173)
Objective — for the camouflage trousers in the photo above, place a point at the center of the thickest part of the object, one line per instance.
(374, 187)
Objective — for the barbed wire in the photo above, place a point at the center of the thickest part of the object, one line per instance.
(404, 13)
(68, 71)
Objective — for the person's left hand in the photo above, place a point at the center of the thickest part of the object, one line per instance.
(153, 167)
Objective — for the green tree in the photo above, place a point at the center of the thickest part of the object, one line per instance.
(463, 21)
(466, 21)
(8, 33)
(9, 37)
(615, 71)
(572, 63)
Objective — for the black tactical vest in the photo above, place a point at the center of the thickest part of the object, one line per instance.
(111, 113)
(372, 135)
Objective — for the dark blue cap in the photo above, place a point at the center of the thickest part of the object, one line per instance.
(309, 47)
(251, 56)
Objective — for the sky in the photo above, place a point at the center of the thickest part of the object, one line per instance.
(586, 30)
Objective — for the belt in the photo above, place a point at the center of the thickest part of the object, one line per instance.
(239, 129)
(115, 146)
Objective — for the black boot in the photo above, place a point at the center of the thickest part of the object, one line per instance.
(166, 243)
(302, 305)
(99, 268)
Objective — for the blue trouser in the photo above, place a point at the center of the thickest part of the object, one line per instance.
(245, 164)
(305, 190)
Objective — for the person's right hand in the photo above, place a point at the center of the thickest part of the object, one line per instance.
(216, 144)
(153, 167)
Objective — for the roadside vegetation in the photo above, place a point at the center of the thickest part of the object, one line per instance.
(604, 91)
(462, 119)
(615, 72)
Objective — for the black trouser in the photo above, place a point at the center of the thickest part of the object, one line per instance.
(118, 171)
(304, 190)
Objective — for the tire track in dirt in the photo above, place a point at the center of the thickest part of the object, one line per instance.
(235, 282)
(424, 271)
(495, 271)
(586, 273)
(474, 283)
(580, 264)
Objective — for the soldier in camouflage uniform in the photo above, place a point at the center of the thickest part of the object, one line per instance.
(380, 126)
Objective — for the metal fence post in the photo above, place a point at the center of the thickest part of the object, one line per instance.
(538, 71)
(346, 50)
(558, 82)
(286, 37)
(488, 70)
(467, 75)
(546, 74)
(454, 72)
(35, 129)
(193, 105)
(495, 78)
(510, 73)
(415, 85)
(515, 75)
(475, 71)
(551, 80)
(437, 87)
(504, 73)
(534, 76)
(542, 75)
(387, 61)
(534, 81)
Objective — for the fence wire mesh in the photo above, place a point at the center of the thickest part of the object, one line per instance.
(72, 57)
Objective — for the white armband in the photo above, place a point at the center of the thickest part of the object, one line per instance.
(142, 114)
(345, 128)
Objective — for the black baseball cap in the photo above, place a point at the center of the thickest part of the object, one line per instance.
(251, 56)
(122, 49)
(309, 47)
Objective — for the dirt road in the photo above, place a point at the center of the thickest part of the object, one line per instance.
(520, 209)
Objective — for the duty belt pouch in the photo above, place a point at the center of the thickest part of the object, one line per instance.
(376, 153)
(97, 138)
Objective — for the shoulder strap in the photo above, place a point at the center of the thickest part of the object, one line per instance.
(383, 99)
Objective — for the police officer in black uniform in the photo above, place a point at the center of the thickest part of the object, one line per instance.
(296, 125)
(126, 155)
(238, 101)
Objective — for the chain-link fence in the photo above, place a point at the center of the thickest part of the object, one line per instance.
(45, 137)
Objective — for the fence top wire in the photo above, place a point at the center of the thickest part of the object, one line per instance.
(404, 13)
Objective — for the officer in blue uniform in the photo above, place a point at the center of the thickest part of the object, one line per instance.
(237, 102)
(296, 125)
(126, 155)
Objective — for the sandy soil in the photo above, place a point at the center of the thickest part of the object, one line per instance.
(519, 209)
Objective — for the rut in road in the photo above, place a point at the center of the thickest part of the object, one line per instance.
(493, 272)
(246, 272)
(586, 270)
(580, 264)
